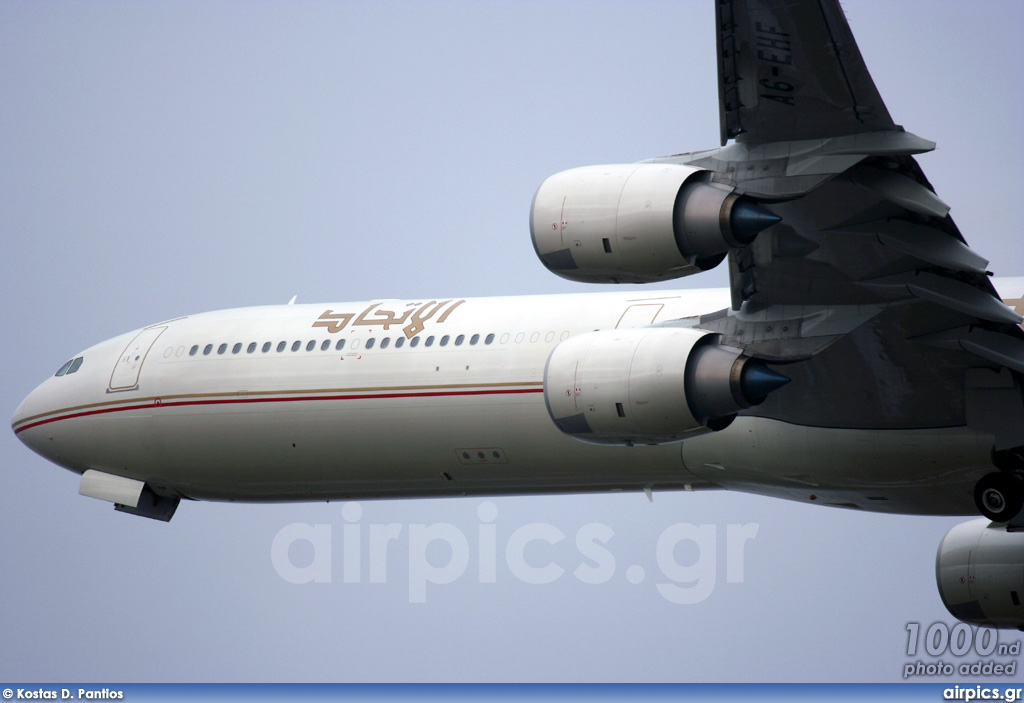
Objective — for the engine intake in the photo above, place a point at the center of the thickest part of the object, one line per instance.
(638, 223)
(650, 385)
(980, 572)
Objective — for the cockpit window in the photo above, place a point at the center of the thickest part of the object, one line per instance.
(64, 369)
(75, 365)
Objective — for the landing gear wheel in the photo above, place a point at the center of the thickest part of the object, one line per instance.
(998, 496)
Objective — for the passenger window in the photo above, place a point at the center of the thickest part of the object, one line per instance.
(340, 345)
(266, 347)
(251, 348)
(75, 365)
(414, 342)
(474, 339)
(489, 338)
(281, 346)
(194, 350)
(369, 343)
(326, 345)
(400, 342)
(64, 369)
(459, 340)
(429, 342)
(385, 342)
(311, 345)
(207, 349)
(237, 348)
(504, 338)
(444, 341)
(222, 348)
(296, 345)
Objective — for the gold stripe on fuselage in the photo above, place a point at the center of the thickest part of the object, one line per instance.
(257, 394)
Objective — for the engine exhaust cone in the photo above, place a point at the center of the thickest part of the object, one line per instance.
(757, 381)
(747, 219)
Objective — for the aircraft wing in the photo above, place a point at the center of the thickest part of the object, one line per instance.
(791, 70)
(866, 280)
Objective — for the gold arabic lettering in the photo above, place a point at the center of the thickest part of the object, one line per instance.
(334, 322)
(374, 316)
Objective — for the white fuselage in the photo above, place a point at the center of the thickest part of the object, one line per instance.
(435, 397)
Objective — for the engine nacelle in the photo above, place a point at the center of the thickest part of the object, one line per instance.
(650, 385)
(638, 223)
(980, 571)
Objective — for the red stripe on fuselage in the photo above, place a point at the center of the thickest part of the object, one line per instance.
(157, 403)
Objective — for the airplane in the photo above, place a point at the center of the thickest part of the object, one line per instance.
(862, 356)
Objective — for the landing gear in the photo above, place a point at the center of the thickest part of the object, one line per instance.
(999, 496)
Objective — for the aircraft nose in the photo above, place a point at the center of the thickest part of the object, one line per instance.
(38, 419)
(31, 417)
(18, 418)
(57, 420)
(28, 409)
(20, 424)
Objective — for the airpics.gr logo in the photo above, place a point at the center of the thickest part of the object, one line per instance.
(974, 651)
(687, 555)
(981, 693)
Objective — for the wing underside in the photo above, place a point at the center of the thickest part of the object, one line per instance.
(866, 288)
(791, 70)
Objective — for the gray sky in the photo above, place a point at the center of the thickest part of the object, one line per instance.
(165, 158)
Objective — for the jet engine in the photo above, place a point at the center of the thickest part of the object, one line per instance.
(980, 571)
(650, 385)
(639, 223)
